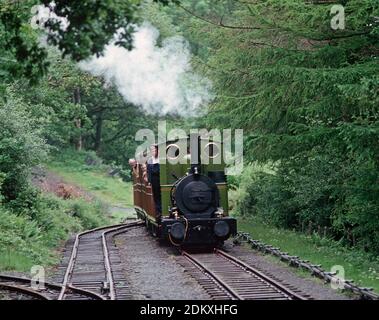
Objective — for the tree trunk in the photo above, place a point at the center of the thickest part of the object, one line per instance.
(99, 128)
(78, 122)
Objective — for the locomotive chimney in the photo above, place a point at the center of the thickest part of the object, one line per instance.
(195, 142)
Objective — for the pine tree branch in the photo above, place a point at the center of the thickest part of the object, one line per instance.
(217, 24)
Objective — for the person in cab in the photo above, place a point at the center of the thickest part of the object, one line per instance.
(153, 173)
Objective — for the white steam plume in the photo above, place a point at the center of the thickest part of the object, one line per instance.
(159, 79)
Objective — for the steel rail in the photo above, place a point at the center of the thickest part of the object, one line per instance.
(74, 253)
(50, 285)
(274, 289)
(219, 281)
(293, 295)
(108, 268)
(72, 260)
(315, 270)
(23, 290)
(85, 292)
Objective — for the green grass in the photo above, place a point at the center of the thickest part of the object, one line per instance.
(11, 260)
(31, 236)
(359, 266)
(120, 215)
(112, 191)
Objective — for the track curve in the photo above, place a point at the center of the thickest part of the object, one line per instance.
(44, 291)
(89, 266)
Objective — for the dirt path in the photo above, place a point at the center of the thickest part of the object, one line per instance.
(50, 182)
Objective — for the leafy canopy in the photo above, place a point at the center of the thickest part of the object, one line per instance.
(90, 26)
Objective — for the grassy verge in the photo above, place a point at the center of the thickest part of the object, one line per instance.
(30, 237)
(31, 234)
(112, 191)
(359, 266)
(10, 260)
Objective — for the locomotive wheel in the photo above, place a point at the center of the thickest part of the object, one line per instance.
(220, 244)
(151, 228)
(148, 226)
(154, 230)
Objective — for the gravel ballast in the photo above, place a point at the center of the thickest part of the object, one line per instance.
(153, 272)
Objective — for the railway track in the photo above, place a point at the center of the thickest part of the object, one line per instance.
(91, 270)
(20, 286)
(226, 277)
(92, 264)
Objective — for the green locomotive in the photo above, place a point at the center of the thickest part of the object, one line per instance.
(193, 195)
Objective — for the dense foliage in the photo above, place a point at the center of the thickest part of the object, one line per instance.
(21, 146)
(30, 237)
(307, 98)
(78, 29)
(46, 104)
(107, 123)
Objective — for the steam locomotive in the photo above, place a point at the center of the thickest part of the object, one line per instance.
(193, 193)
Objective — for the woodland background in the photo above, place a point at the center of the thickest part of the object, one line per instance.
(306, 96)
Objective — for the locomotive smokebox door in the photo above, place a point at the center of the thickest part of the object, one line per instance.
(197, 196)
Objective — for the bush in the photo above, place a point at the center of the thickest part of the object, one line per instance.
(259, 194)
(90, 214)
(21, 146)
(323, 189)
(18, 232)
(31, 224)
(78, 160)
(29, 237)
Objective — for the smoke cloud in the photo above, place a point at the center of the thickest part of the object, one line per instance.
(160, 79)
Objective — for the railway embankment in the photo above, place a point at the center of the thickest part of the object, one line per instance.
(351, 264)
(73, 192)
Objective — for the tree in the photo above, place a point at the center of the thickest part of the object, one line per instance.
(107, 123)
(89, 26)
(114, 122)
(306, 96)
(21, 146)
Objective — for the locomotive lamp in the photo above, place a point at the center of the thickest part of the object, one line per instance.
(221, 229)
(219, 213)
(178, 231)
(174, 212)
